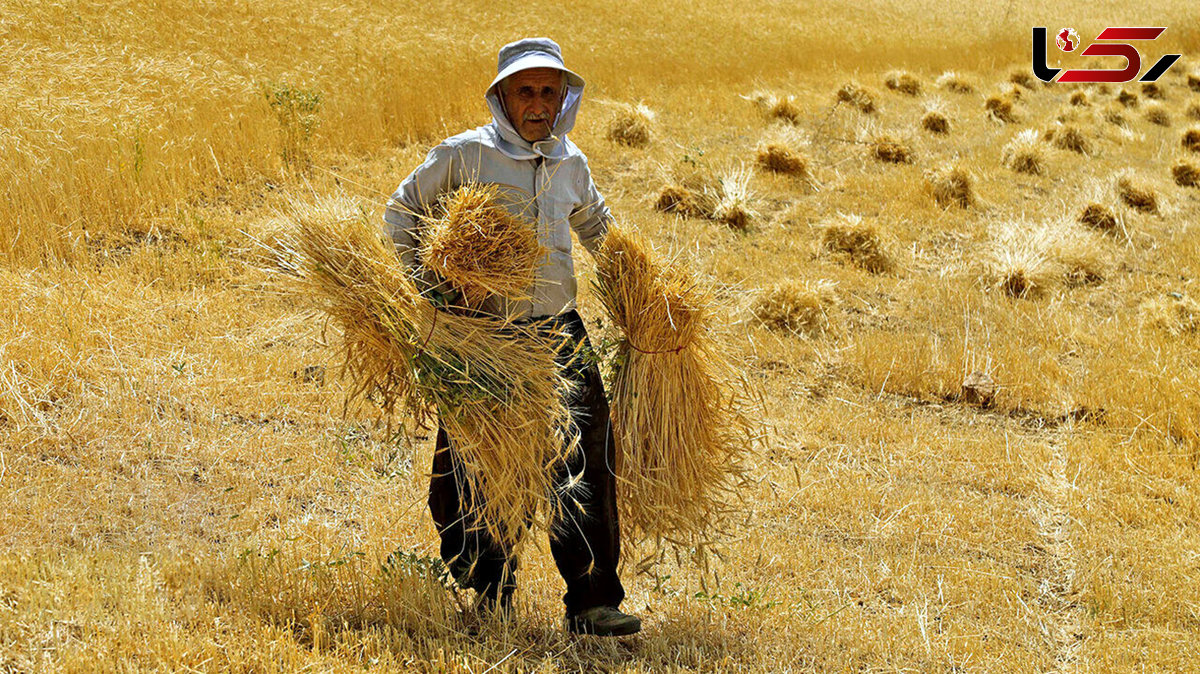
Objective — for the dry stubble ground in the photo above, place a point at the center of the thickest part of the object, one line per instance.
(181, 492)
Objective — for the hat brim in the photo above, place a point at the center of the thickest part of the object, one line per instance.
(536, 61)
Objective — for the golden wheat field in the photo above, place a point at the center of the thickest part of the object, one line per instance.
(889, 206)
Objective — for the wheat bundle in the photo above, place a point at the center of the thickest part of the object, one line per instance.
(679, 199)
(859, 97)
(1175, 314)
(1000, 109)
(495, 386)
(1023, 78)
(1137, 194)
(1152, 90)
(935, 121)
(799, 307)
(952, 81)
(730, 199)
(904, 82)
(630, 126)
(680, 424)
(481, 248)
(1024, 154)
(1099, 217)
(1068, 137)
(1186, 174)
(1114, 116)
(861, 241)
(775, 106)
(780, 158)
(951, 186)
(1019, 261)
(1157, 114)
(1191, 139)
(887, 149)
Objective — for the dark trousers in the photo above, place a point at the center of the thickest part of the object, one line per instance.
(586, 546)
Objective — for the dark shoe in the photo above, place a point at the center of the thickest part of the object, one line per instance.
(603, 621)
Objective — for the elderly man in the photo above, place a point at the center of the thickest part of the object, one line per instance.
(544, 178)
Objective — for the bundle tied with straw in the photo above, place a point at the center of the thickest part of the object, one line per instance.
(476, 244)
(495, 386)
(680, 424)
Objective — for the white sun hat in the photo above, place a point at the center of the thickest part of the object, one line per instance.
(532, 52)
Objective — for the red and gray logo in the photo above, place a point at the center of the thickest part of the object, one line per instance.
(1110, 42)
(1067, 39)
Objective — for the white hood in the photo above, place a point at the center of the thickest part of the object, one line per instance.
(513, 145)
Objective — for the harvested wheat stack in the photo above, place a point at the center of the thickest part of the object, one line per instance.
(675, 198)
(1191, 140)
(495, 387)
(785, 108)
(951, 186)
(1136, 194)
(1024, 153)
(1099, 217)
(1080, 252)
(1024, 260)
(954, 83)
(1000, 109)
(1080, 98)
(860, 97)
(479, 246)
(780, 158)
(1018, 261)
(1186, 174)
(1175, 314)
(888, 149)
(1193, 110)
(1024, 278)
(683, 191)
(1067, 115)
(775, 106)
(1127, 98)
(799, 307)
(1068, 137)
(935, 121)
(1155, 113)
(861, 241)
(1153, 91)
(903, 82)
(1113, 115)
(630, 126)
(730, 201)
(680, 423)
(1193, 82)
(1023, 78)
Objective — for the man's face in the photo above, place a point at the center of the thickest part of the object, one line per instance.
(531, 99)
